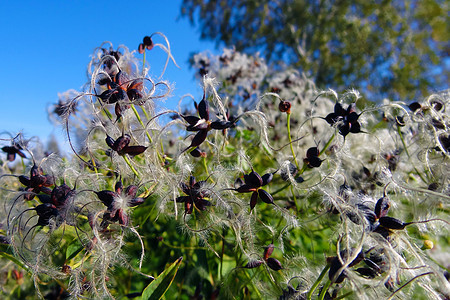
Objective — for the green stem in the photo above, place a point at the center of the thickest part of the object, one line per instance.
(23, 164)
(206, 167)
(140, 121)
(304, 167)
(107, 113)
(280, 189)
(324, 290)
(327, 144)
(290, 139)
(316, 284)
(130, 165)
(344, 296)
(253, 285)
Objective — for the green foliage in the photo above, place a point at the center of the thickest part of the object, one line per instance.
(395, 49)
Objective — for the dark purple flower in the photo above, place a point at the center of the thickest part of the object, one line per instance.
(37, 182)
(272, 263)
(116, 203)
(195, 196)
(121, 91)
(346, 120)
(121, 145)
(253, 183)
(12, 150)
(202, 124)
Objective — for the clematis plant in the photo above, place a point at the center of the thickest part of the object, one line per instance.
(252, 184)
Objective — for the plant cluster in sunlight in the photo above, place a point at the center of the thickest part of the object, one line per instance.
(260, 188)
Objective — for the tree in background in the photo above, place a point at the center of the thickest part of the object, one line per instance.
(394, 49)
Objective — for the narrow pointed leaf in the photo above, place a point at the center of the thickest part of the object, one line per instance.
(158, 287)
(73, 249)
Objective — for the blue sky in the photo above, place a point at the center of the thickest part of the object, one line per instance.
(46, 46)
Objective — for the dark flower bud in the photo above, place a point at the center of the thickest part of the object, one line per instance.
(141, 48)
(4, 240)
(45, 212)
(44, 198)
(181, 199)
(36, 171)
(392, 223)
(121, 143)
(268, 251)
(106, 96)
(253, 200)
(400, 121)
(131, 191)
(199, 138)
(107, 197)
(188, 207)
(25, 180)
(373, 265)
(339, 110)
(133, 150)
(221, 124)
(60, 195)
(203, 109)
(313, 162)
(437, 104)
(196, 152)
(122, 217)
(201, 204)
(267, 178)
(192, 120)
(134, 94)
(121, 78)
(118, 187)
(274, 264)
(136, 201)
(197, 127)
(352, 117)
(367, 272)
(253, 179)
(382, 207)
(433, 186)
(311, 152)
(238, 183)
(285, 106)
(344, 129)
(265, 196)
(109, 141)
(332, 118)
(245, 189)
(414, 106)
(148, 42)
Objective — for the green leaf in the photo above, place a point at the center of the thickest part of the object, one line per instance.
(14, 260)
(158, 287)
(73, 249)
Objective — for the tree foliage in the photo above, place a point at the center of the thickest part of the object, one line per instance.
(393, 49)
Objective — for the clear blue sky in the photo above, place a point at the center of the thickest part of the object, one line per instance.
(45, 47)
